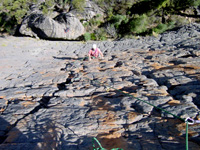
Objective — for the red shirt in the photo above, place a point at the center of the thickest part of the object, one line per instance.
(94, 53)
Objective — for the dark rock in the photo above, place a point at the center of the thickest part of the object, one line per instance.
(118, 64)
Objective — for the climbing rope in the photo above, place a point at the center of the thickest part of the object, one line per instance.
(191, 122)
(93, 141)
(100, 147)
(186, 134)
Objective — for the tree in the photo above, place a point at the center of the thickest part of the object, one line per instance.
(11, 13)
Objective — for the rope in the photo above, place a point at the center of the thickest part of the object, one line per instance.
(186, 135)
(191, 122)
(101, 148)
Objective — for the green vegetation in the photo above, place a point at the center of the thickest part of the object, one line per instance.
(140, 17)
(117, 20)
(12, 12)
(79, 4)
(160, 28)
(87, 36)
(138, 24)
(124, 18)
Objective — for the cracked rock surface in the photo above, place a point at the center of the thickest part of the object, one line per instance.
(52, 97)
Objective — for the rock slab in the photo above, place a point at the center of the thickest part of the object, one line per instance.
(51, 97)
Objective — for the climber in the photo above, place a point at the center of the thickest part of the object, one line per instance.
(66, 30)
(94, 52)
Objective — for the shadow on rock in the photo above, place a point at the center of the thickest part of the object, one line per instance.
(171, 134)
(71, 58)
(9, 136)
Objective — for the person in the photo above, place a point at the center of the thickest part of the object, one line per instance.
(94, 52)
(66, 30)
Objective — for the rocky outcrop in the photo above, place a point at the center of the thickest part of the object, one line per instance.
(64, 26)
(52, 97)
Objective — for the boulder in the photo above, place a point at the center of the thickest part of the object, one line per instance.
(64, 26)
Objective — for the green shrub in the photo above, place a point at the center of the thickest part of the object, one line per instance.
(93, 37)
(46, 6)
(14, 8)
(116, 20)
(100, 34)
(111, 30)
(109, 12)
(139, 24)
(160, 28)
(78, 4)
(154, 20)
(87, 36)
(171, 24)
(94, 22)
(100, 2)
(19, 14)
(178, 20)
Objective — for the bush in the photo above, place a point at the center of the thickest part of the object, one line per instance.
(160, 28)
(78, 4)
(93, 37)
(87, 36)
(138, 24)
(7, 25)
(171, 24)
(14, 8)
(100, 34)
(94, 22)
(118, 19)
(178, 20)
(111, 30)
